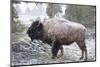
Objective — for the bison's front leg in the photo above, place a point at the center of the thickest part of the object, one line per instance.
(55, 49)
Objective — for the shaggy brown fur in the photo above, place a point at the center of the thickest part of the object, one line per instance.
(67, 31)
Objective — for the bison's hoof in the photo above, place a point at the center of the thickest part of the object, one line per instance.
(53, 57)
(81, 58)
(85, 59)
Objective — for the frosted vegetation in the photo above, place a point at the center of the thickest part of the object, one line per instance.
(23, 53)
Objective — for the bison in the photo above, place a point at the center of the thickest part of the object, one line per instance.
(58, 32)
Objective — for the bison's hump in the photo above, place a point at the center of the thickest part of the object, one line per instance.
(59, 28)
(61, 23)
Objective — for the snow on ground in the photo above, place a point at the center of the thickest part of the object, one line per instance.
(24, 53)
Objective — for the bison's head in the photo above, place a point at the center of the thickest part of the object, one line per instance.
(35, 31)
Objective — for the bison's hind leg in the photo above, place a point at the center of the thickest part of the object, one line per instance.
(83, 48)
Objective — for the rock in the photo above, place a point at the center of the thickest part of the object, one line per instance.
(23, 52)
(19, 46)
